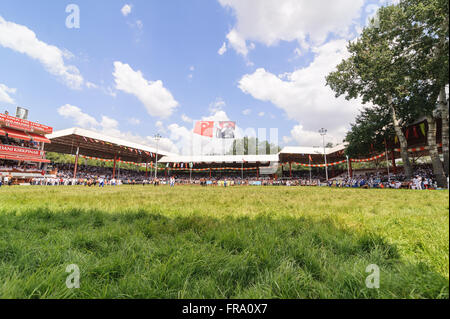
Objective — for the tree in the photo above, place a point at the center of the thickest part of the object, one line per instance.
(431, 46)
(401, 63)
(372, 128)
(376, 72)
(252, 146)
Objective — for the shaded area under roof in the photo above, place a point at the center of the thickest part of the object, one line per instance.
(300, 154)
(98, 145)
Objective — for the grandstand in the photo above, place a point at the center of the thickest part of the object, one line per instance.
(82, 142)
(22, 145)
(31, 162)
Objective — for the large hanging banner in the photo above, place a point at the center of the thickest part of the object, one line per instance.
(217, 129)
(21, 151)
(25, 125)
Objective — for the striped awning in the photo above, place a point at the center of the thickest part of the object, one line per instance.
(15, 134)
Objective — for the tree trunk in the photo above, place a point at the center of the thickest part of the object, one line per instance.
(438, 170)
(445, 129)
(402, 140)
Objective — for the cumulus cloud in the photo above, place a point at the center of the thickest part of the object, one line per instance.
(126, 10)
(303, 94)
(5, 94)
(156, 98)
(23, 40)
(308, 22)
(313, 138)
(78, 116)
(246, 112)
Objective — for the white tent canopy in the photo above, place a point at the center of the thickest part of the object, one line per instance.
(220, 159)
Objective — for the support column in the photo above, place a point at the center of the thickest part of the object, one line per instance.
(257, 170)
(290, 170)
(146, 170)
(350, 168)
(394, 166)
(76, 163)
(210, 172)
(114, 167)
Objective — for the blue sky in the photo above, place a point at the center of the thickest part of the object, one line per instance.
(134, 68)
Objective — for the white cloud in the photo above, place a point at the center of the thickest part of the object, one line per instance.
(126, 10)
(287, 139)
(303, 95)
(237, 42)
(79, 117)
(192, 69)
(308, 22)
(139, 24)
(217, 105)
(91, 85)
(160, 126)
(23, 40)
(261, 114)
(186, 118)
(5, 94)
(222, 49)
(217, 116)
(246, 112)
(156, 98)
(313, 138)
(109, 91)
(134, 121)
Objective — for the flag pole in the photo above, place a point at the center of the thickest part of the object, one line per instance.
(310, 174)
(387, 160)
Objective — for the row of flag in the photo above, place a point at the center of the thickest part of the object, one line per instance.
(181, 165)
(111, 160)
(316, 165)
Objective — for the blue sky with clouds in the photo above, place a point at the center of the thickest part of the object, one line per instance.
(135, 68)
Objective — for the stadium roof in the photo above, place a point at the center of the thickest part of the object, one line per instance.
(94, 144)
(220, 159)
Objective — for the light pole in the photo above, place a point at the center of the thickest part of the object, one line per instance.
(157, 137)
(323, 132)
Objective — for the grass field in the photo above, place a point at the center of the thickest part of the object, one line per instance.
(242, 242)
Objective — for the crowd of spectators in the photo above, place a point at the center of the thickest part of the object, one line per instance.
(6, 140)
(62, 174)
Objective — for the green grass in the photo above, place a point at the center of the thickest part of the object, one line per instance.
(241, 242)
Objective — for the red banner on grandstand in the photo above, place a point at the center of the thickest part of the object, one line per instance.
(24, 125)
(20, 151)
